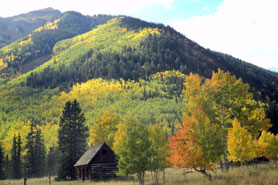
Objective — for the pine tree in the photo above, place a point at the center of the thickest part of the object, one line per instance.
(2, 174)
(52, 161)
(40, 154)
(72, 137)
(18, 158)
(14, 159)
(29, 158)
(7, 167)
(36, 155)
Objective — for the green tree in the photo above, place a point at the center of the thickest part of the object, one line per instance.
(29, 158)
(18, 160)
(72, 139)
(132, 147)
(40, 154)
(34, 160)
(14, 159)
(159, 151)
(52, 161)
(16, 170)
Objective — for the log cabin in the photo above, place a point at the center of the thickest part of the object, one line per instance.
(97, 163)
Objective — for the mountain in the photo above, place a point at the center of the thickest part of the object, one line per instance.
(117, 64)
(13, 28)
(33, 50)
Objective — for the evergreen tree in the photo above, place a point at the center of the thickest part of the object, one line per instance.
(7, 167)
(14, 159)
(16, 170)
(18, 158)
(2, 174)
(52, 161)
(29, 158)
(72, 137)
(36, 156)
(40, 154)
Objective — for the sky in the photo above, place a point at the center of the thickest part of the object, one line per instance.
(245, 29)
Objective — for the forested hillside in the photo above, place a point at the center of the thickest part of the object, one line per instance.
(33, 50)
(109, 64)
(13, 28)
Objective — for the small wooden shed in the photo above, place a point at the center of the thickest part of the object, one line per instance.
(97, 163)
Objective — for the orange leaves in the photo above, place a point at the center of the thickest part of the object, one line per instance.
(197, 144)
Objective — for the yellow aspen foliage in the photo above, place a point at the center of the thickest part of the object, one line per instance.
(268, 145)
(241, 146)
(104, 129)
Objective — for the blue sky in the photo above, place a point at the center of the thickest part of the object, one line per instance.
(245, 29)
(179, 9)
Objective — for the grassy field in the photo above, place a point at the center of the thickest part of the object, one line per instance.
(264, 174)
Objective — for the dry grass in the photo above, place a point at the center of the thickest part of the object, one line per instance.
(264, 174)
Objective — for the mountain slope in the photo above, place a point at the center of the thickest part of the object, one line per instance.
(129, 48)
(13, 28)
(108, 66)
(33, 50)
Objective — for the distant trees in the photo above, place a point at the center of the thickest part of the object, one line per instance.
(72, 139)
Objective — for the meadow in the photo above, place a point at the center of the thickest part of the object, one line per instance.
(263, 174)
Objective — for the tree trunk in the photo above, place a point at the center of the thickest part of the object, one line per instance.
(49, 179)
(141, 178)
(220, 163)
(226, 163)
(25, 181)
(241, 165)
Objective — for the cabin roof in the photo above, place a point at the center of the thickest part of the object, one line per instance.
(86, 158)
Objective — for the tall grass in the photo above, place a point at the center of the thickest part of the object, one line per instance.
(264, 174)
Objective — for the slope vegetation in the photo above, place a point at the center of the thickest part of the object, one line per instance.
(13, 28)
(121, 65)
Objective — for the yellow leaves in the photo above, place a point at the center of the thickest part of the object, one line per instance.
(50, 134)
(241, 145)
(104, 129)
(267, 145)
(49, 26)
